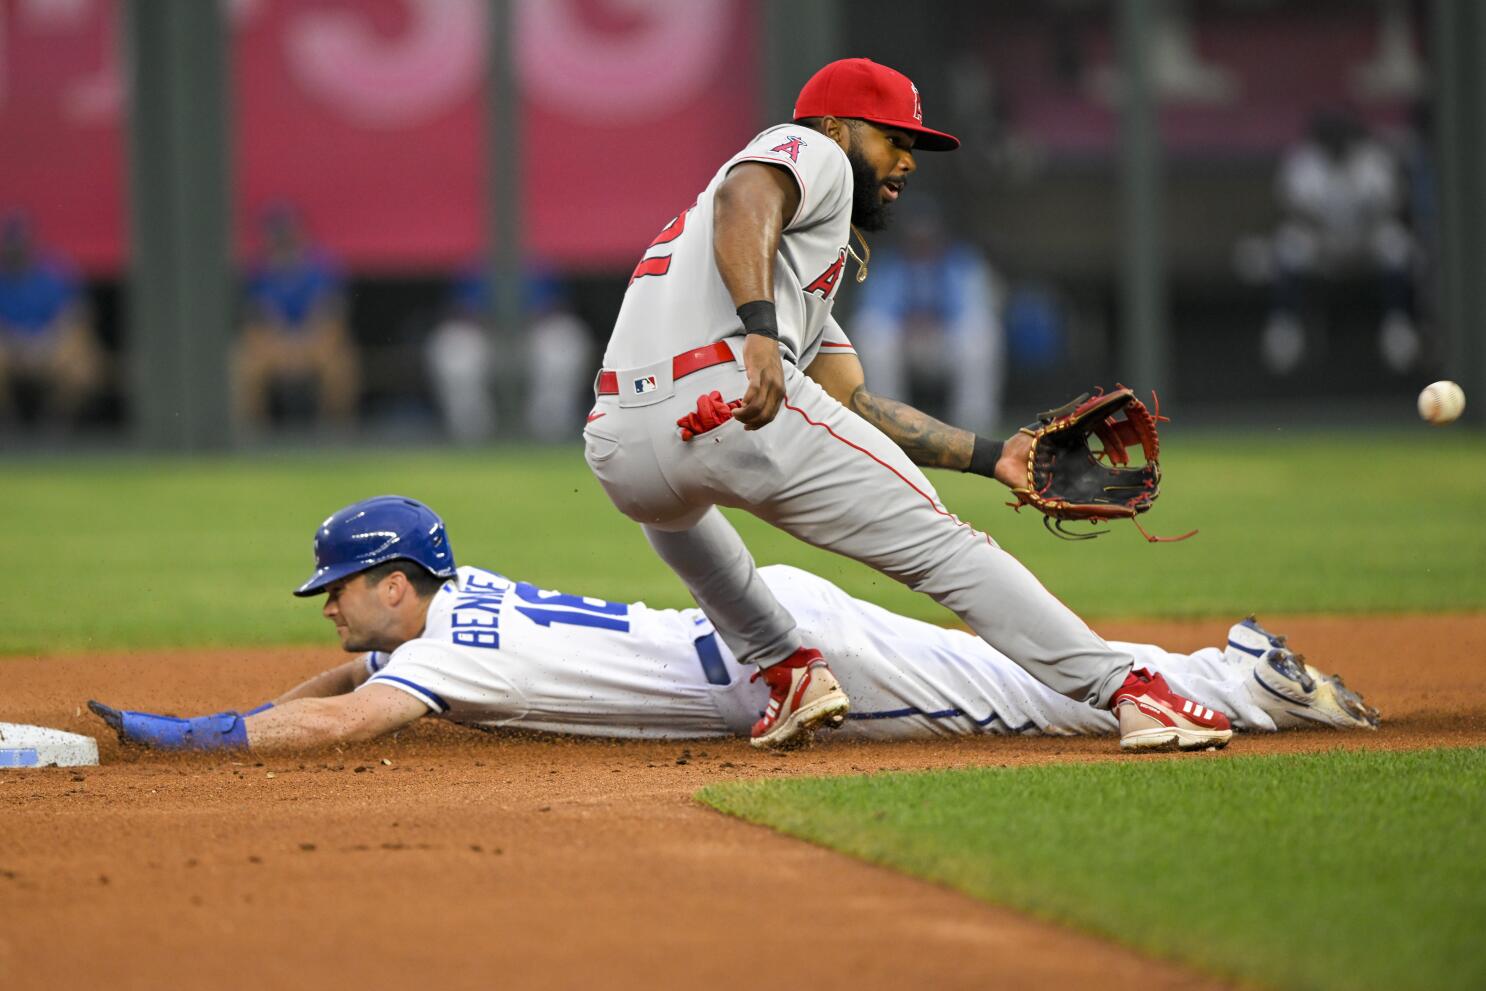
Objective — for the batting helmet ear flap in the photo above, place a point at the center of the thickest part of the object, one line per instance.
(367, 533)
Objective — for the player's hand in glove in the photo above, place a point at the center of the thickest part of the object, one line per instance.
(1064, 478)
(765, 382)
(221, 731)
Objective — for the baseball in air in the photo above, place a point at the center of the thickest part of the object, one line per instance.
(1441, 403)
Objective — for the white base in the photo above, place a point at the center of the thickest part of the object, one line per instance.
(38, 746)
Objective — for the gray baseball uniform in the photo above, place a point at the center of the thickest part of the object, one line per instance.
(818, 471)
(676, 299)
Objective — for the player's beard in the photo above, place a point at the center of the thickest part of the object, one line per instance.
(869, 211)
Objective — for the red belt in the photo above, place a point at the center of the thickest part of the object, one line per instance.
(681, 366)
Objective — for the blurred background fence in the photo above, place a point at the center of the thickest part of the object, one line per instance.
(227, 224)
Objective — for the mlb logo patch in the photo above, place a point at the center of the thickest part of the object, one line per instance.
(644, 385)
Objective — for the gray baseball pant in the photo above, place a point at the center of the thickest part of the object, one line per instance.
(830, 478)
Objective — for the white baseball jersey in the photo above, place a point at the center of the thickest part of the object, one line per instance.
(500, 653)
(676, 299)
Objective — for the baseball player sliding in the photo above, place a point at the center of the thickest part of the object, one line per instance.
(727, 383)
(472, 646)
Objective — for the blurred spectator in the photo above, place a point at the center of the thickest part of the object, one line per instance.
(1036, 331)
(930, 316)
(558, 366)
(1342, 195)
(460, 357)
(46, 333)
(295, 327)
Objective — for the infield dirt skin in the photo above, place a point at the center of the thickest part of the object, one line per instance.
(450, 858)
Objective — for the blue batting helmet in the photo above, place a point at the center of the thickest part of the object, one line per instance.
(367, 533)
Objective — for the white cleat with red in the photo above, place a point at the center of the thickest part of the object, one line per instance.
(1153, 717)
(803, 694)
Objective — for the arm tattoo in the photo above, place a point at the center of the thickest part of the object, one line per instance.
(925, 440)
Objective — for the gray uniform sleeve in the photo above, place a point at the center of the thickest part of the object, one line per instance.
(818, 165)
(833, 339)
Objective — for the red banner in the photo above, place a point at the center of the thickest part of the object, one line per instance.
(61, 146)
(369, 115)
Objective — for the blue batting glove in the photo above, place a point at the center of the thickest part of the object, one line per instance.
(222, 731)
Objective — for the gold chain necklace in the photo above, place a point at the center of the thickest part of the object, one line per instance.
(863, 258)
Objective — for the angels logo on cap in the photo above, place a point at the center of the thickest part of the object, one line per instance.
(863, 89)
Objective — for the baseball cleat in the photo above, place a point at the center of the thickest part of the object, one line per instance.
(1296, 694)
(1284, 675)
(1248, 640)
(1153, 717)
(803, 696)
(1341, 703)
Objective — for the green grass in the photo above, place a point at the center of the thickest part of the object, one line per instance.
(1343, 870)
(137, 552)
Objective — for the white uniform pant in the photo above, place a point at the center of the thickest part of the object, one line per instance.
(825, 475)
(908, 679)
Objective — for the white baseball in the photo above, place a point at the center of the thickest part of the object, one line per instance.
(1441, 403)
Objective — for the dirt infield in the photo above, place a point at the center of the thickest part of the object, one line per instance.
(452, 858)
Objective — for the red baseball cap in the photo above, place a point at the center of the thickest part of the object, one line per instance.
(859, 87)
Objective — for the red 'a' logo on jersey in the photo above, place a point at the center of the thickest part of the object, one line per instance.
(791, 147)
(825, 283)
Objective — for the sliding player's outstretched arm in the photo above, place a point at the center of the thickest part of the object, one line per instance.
(324, 710)
(306, 723)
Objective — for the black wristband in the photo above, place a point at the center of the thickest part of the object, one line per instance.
(759, 318)
(984, 455)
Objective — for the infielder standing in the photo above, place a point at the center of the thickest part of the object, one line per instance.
(477, 648)
(727, 383)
